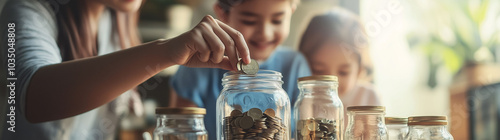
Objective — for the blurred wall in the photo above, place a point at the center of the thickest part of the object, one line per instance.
(400, 72)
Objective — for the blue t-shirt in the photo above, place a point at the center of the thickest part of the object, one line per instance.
(203, 85)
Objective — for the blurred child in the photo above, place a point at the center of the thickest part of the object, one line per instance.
(335, 43)
(264, 24)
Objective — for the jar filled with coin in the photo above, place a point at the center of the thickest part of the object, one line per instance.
(253, 105)
(318, 111)
(180, 124)
(366, 123)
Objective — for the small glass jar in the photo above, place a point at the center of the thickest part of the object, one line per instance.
(366, 123)
(318, 111)
(396, 127)
(180, 124)
(428, 128)
(253, 107)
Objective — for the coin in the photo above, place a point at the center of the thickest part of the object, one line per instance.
(251, 68)
(239, 136)
(260, 138)
(255, 113)
(246, 122)
(312, 126)
(238, 65)
(236, 113)
(261, 119)
(323, 128)
(270, 112)
(237, 122)
(255, 130)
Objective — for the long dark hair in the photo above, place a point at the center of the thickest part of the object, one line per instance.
(75, 39)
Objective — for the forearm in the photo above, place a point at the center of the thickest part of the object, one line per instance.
(74, 87)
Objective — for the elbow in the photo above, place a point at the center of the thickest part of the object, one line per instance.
(34, 111)
(32, 119)
(33, 116)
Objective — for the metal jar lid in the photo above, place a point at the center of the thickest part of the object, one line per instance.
(181, 110)
(396, 120)
(366, 108)
(320, 78)
(427, 120)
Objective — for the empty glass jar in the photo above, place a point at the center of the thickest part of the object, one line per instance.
(318, 111)
(397, 128)
(428, 128)
(180, 124)
(253, 107)
(366, 123)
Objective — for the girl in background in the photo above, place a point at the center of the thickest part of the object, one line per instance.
(335, 43)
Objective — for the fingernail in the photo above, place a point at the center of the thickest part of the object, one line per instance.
(249, 59)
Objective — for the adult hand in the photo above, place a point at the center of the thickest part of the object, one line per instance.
(210, 44)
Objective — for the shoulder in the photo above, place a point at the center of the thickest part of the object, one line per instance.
(288, 57)
(196, 75)
(28, 8)
(185, 71)
(289, 61)
(196, 83)
(366, 89)
(368, 92)
(284, 52)
(36, 14)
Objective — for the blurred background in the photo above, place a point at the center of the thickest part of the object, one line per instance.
(430, 57)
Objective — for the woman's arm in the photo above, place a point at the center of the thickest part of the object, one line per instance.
(66, 89)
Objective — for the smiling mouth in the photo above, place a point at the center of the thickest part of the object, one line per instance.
(262, 46)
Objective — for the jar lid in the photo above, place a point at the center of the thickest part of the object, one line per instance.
(366, 108)
(320, 78)
(396, 120)
(181, 110)
(427, 120)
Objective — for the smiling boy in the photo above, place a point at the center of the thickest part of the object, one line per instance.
(264, 24)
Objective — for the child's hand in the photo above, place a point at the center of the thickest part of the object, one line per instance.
(206, 44)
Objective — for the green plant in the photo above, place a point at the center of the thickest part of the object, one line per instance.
(454, 33)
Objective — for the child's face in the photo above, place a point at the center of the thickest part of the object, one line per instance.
(331, 59)
(264, 23)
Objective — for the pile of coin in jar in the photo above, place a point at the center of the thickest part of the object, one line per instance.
(316, 129)
(254, 124)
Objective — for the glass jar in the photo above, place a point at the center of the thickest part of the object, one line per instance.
(396, 127)
(253, 107)
(180, 124)
(428, 128)
(318, 111)
(366, 123)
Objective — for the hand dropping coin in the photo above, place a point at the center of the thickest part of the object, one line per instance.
(251, 68)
